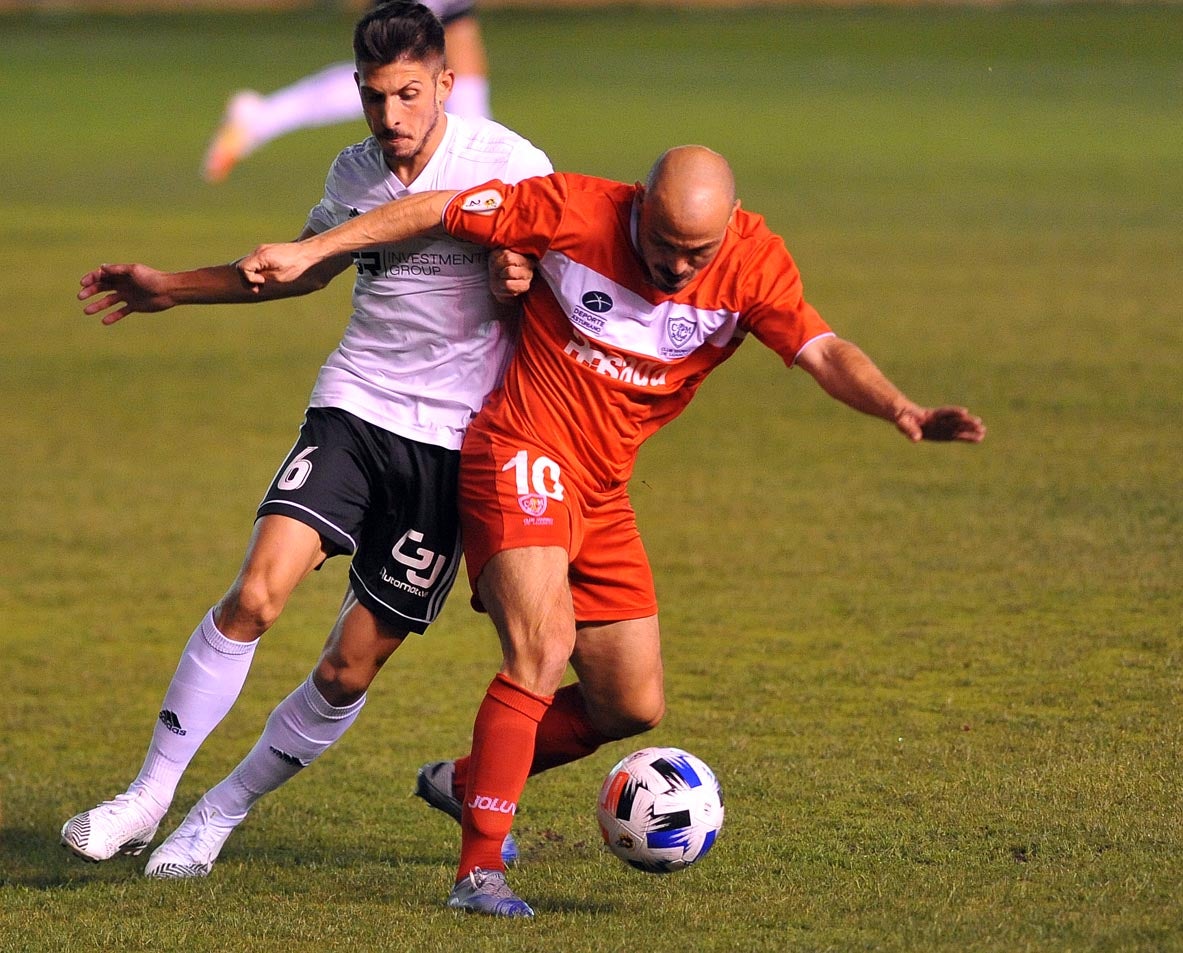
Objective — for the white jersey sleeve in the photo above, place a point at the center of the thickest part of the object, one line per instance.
(425, 342)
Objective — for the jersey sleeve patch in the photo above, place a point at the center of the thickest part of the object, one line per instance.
(484, 202)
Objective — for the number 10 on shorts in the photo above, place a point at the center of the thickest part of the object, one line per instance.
(540, 478)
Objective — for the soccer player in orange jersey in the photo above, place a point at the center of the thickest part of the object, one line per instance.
(644, 290)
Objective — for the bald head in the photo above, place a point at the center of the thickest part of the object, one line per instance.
(693, 184)
(688, 201)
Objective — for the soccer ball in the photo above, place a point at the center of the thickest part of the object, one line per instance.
(660, 809)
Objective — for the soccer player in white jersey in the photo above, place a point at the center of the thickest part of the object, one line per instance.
(373, 472)
(329, 96)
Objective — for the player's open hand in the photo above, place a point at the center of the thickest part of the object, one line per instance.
(940, 423)
(510, 274)
(283, 262)
(128, 288)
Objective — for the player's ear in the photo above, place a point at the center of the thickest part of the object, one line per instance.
(734, 209)
(443, 84)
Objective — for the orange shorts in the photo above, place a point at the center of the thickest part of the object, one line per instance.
(513, 494)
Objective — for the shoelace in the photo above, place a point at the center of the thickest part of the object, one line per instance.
(492, 884)
(123, 803)
(120, 800)
(207, 835)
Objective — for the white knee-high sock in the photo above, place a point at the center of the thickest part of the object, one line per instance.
(207, 682)
(300, 729)
(324, 98)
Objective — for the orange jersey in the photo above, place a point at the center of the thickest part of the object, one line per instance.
(605, 359)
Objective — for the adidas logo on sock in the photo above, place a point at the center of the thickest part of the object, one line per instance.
(171, 722)
(289, 758)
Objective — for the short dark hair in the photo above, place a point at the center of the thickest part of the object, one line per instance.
(401, 29)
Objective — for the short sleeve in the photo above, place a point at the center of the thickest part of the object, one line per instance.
(330, 210)
(523, 217)
(525, 162)
(775, 309)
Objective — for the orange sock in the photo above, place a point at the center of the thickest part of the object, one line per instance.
(565, 734)
(502, 750)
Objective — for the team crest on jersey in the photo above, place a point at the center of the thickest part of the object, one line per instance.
(680, 329)
(482, 202)
(532, 504)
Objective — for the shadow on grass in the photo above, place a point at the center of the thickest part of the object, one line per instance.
(35, 858)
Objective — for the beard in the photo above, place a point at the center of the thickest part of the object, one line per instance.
(402, 148)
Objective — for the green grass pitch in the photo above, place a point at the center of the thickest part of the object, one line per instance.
(940, 685)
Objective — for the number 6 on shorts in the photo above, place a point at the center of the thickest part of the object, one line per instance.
(297, 471)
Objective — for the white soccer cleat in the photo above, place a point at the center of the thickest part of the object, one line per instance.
(124, 825)
(234, 140)
(190, 850)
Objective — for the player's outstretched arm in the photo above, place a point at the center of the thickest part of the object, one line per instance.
(847, 374)
(393, 222)
(131, 288)
(128, 288)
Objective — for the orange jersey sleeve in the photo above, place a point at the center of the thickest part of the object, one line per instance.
(774, 309)
(523, 218)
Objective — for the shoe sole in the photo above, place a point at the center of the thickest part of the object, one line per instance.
(179, 871)
(522, 912)
(131, 849)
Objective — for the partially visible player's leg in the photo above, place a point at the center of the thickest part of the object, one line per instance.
(617, 650)
(466, 56)
(208, 680)
(620, 676)
(518, 568)
(329, 96)
(620, 693)
(533, 595)
(403, 568)
(253, 119)
(527, 596)
(301, 728)
(282, 552)
(357, 647)
(323, 98)
(526, 593)
(311, 511)
(215, 662)
(315, 485)
(320, 710)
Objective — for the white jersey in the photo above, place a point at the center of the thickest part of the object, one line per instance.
(424, 346)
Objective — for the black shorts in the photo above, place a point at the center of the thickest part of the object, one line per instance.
(388, 500)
